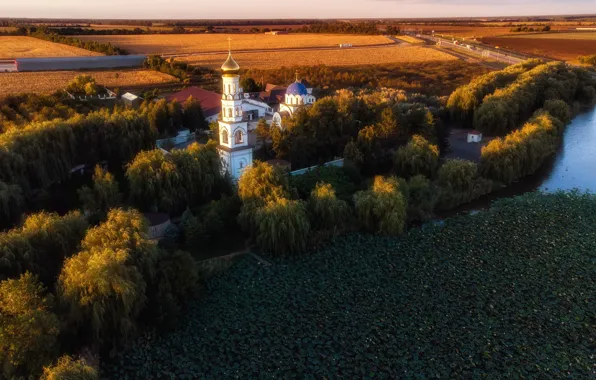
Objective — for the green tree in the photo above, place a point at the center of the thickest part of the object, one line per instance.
(103, 196)
(422, 198)
(105, 284)
(282, 226)
(158, 116)
(249, 85)
(68, 368)
(459, 182)
(193, 117)
(327, 213)
(417, 157)
(559, 109)
(28, 328)
(382, 209)
(175, 115)
(12, 204)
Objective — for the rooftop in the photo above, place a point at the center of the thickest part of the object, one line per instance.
(210, 101)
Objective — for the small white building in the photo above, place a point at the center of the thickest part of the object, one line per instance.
(474, 136)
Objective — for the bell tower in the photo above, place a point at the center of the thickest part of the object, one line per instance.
(234, 149)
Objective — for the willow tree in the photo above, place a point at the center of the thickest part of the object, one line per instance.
(105, 284)
(327, 213)
(40, 245)
(174, 181)
(282, 226)
(28, 328)
(12, 204)
(417, 157)
(382, 209)
(69, 368)
(103, 196)
(422, 198)
(459, 182)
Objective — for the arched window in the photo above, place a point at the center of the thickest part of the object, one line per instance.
(238, 137)
(229, 89)
(224, 137)
(230, 112)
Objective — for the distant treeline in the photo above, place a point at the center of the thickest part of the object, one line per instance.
(347, 28)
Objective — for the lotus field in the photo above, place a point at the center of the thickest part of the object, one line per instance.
(506, 293)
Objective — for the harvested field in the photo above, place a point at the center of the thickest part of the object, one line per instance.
(199, 43)
(339, 57)
(29, 47)
(590, 36)
(468, 31)
(48, 82)
(563, 49)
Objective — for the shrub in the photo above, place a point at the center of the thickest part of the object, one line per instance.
(28, 328)
(587, 59)
(327, 213)
(333, 175)
(68, 368)
(282, 227)
(417, 157)
(382, 209)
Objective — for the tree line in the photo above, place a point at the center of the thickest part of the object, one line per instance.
(343, 28)
(49, 35)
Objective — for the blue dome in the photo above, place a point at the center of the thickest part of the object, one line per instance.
(297, 88)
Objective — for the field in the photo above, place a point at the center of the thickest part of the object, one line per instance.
(589, 36)
(410, 39)
(563, 49)
(339, 57)
(450, 301)
(199, 43)
(466, 30)
(48, 82)
(29, 47)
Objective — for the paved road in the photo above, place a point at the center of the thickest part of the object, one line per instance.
(477, 50)
(392, 42)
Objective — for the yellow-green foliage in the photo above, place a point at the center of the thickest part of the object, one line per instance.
(82, 84)
(105, 283)
(173, 182)
(382, 209)
(327, 212)
(28, 328)
(282, 226)
(40, 245)
(522, 152)
(417, 157)
(464, 101)
(103, 196)
(43, 153)
(68, 368)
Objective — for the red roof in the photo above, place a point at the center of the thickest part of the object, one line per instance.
(475, 132)
(210, 101)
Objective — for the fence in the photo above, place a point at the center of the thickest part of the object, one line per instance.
(339, 163)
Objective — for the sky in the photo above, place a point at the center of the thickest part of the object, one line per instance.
(292, 9)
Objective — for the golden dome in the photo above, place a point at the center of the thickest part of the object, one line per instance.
(230, 66)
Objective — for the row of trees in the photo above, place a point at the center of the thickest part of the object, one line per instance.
(465, 100)
(107, 49)
(501, 112)
(344, 28)
(167, 118)
(587, 59)
(172, 182)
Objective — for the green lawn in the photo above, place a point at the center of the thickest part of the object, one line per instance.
(507, 293)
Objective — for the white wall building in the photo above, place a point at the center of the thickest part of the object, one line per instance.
(240, 114)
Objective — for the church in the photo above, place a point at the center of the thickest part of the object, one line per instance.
(241, 112)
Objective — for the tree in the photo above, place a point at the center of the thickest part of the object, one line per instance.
(175, 115)
(158, 116)
(81, 83)
(193, 117)
(282, 226)
(249, 85)
(103, 196)
(105, 283)
(382, 209)
(68, 368)
(12, 204)
(459, 182)
(417, 157)
(559, 109)
(263, 132)
(422, 198)
(28, 328)
(327, 213)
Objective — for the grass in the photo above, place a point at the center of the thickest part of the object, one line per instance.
(199, 43)
(49, 82)
(29, 47)
(507, 293)
(334, 58)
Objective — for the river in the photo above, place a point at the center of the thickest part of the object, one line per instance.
(572, 167)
